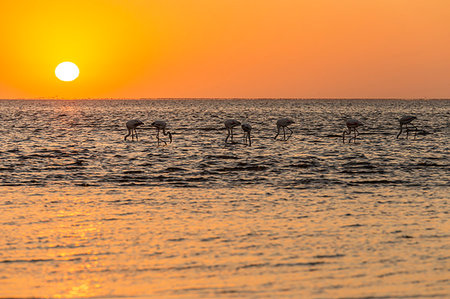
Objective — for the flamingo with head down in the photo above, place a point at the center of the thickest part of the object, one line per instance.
(131, 126)
(247, 128)
(352, 125)
(405, 121)
(284, 123)
(161, 125)
(229, 125)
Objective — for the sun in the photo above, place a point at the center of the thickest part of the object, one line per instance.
(67, 71)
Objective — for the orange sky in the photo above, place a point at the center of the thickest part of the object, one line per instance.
(226, 48)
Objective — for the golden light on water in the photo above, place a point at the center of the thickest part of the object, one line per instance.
(162, 245)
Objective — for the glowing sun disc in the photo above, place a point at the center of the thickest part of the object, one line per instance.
(67, 71)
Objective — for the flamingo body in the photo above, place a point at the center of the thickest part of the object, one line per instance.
(131, 126)
(404, 122)
(284, 123)
(161, 125)
(229, 125)
(352, 125)
(247, 128)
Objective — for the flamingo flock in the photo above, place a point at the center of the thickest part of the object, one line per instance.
(282, 125)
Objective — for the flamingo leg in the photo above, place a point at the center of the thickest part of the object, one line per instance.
(278, 133)
(157, 135)
(164, 132)
(228, 135)
(231, 130)
(350, 137)
(346, 132)
(284, 133)
(291, 132)
(247, 139)
(356, 135)
(401, 129)
(165, 143)
(159, 139)
(135, 133)
(129, 133)
(167, 133)
(415, 130)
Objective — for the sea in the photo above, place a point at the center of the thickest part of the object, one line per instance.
(86, 214)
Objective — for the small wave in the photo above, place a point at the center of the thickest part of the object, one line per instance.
(38, 260)
(176, 240)
(208, 129)
(298, 264)
(354, 225)
(209, 239)
(363, 171)
(252, 266)
(133, 171)
(224, 157)
(378, 182)
(353, 164)
(329, 256)
(26, 261)
(304, 165)
(430, 164)
(174, 169)
(242, 168)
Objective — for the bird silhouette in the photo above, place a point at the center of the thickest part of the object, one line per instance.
(131, 126)
(283, 123)
(405, 121)
(352, 125)
(247, 128)
(161, 125)
(230, 124)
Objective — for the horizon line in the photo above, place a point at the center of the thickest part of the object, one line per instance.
(223, 98)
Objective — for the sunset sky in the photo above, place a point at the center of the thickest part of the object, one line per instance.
(226, 48)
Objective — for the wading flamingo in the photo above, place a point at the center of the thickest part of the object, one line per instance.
(160, 125)
(284, 123)
(131, 126)
(351, 124)
(405, 121)
(247, 128)
(230, 124)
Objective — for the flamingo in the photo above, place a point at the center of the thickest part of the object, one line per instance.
(284, 123)
(351, 124)
(405, 121)
(247, 128)
(161, 125)
(131, 126)
(230, 124)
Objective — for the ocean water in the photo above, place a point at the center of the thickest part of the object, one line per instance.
(86, 214)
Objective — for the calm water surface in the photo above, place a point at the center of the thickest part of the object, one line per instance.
(86, 214)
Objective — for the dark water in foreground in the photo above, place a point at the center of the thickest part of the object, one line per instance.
(85, 214)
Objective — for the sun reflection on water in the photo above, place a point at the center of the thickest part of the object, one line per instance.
(210, 243)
